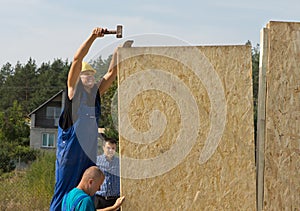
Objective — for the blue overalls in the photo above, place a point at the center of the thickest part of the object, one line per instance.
(76, 150)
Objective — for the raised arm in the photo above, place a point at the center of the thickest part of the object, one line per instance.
(111, 74)
(82, 51)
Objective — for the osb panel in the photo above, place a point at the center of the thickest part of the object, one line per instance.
(186, 128)
(282, 144)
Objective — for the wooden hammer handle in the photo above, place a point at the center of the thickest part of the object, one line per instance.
(110, 32)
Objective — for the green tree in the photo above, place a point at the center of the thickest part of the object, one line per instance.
(8, 88)
(31, 85)
(5, 72)
(51, 78)
(24, 80)
(108, 106)
(255, 75)
(13, 126)
(101, 66)
(14, 138)
(17, 84)
(6, 158)
(109, 111)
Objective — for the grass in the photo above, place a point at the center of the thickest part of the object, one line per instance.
(31, 189)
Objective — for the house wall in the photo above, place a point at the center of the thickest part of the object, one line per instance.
(36, 137)
(41, 124)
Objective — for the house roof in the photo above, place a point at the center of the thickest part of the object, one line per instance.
(43, 104)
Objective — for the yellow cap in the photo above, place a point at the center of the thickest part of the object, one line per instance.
(86, 67)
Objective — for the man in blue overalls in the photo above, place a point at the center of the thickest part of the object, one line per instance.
(78, 123)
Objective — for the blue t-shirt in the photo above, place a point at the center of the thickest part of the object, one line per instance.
(85, 204)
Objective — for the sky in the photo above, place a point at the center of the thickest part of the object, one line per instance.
(45, 30)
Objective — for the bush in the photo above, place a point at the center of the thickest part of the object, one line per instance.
(6, 161)
(31, 189)
(26, 154)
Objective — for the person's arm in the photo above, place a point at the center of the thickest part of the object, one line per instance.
(116, 206)
(111, 74)
(75, 69)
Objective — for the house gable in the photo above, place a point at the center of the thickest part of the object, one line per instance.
(47, 114)
(44, 122)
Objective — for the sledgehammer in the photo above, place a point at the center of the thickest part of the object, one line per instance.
(118, 32)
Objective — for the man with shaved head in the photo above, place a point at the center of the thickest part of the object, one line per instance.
(80, 197)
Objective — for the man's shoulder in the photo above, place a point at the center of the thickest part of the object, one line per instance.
(116, 158)
(100, 159)
(87, 199)
(86, 203)
(102, 156)
(76, 191)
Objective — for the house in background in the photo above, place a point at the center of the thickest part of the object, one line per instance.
(44, 122)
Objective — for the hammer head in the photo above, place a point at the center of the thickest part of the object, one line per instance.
(119, 31)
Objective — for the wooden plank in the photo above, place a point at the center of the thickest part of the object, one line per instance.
(282, 157)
